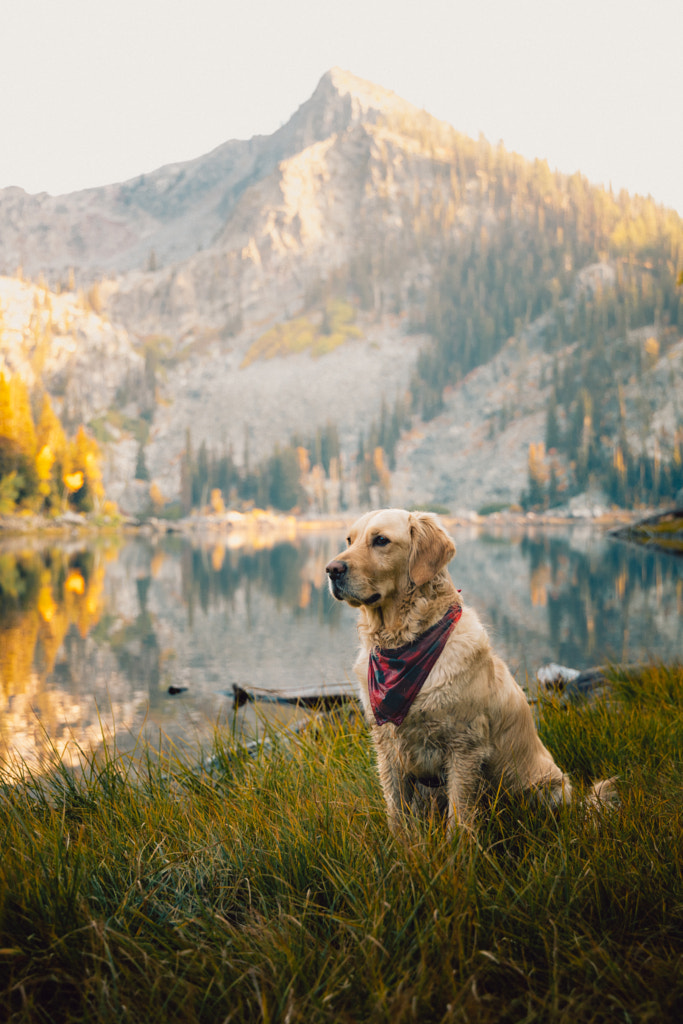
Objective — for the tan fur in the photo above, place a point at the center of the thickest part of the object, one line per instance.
(470, 725)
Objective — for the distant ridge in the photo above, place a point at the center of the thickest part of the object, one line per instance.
(178, 209)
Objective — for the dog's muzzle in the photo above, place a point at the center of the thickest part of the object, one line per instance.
(336, 573)
(338, 576)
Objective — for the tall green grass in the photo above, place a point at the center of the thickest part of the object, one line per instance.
(266, 887)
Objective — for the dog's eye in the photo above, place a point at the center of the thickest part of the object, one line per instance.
(348, 542)
(380, 541)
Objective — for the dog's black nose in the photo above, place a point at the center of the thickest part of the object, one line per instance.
(336, 570)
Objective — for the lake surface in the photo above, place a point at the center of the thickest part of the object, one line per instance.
(92, 636)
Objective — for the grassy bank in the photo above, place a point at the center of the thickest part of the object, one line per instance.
(266, 888)
(663, 530)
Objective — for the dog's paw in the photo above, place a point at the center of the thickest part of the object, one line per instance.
(603, 795)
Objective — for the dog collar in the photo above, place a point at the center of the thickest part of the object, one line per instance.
(396, 676)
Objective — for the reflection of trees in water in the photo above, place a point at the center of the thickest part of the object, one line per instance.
(586, 604)
(45, 597)
(52, 599)
(136, 646)
(213, 577)
(593, 597)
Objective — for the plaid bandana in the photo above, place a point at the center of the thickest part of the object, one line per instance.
(395, 677)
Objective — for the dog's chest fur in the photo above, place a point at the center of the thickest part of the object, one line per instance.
(444, 722)
(426, 741)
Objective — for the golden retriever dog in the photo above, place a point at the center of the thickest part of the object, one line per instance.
(447, 718)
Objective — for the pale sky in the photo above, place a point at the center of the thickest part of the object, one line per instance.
(94, 92)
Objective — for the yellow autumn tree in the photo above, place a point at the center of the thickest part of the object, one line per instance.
(537, 475)
(17, 438)
(22, 420)
(217, 503)
(652, 350)
(51, 450)
(39, 468)
(156, 496)
(82, 475)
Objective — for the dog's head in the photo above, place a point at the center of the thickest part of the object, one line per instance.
(387, 553)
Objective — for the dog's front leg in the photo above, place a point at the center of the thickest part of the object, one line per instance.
(463, 784)
(397, 786)
(464, 775)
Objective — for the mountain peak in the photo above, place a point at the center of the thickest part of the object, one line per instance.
(366, 94)
(342, 99)
(365, 98)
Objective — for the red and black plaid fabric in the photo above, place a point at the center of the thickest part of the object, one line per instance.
(395, 677)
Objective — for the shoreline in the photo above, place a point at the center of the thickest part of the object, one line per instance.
(259, 522)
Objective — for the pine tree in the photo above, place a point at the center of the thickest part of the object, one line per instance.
(141, 471)
(552, 426)
(186, 471)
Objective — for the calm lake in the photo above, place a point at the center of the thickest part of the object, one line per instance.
(92, 637)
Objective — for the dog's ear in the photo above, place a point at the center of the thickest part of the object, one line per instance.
(431, 548)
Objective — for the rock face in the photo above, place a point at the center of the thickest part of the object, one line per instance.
(61, 343)
(210, 254)
(459, 459)
(183, 272)
(90, 368)
(167, 216)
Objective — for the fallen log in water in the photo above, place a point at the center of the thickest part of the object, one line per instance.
(324, 699)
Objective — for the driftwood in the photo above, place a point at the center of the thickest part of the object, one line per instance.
(306, 696)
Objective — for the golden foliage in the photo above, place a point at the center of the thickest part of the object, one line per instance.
(538, 470)
(217, 503)
(74, 481)
(75, 584)
(156, 497)
(652, 350)
(301, 335)
(16, 421)
(38, 466)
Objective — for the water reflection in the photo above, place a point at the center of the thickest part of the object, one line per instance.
(289, 573)
(572, 596)
(92, 637)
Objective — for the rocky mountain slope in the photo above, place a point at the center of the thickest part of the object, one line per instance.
(55, 341)
(280, 283)
(168, 216)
